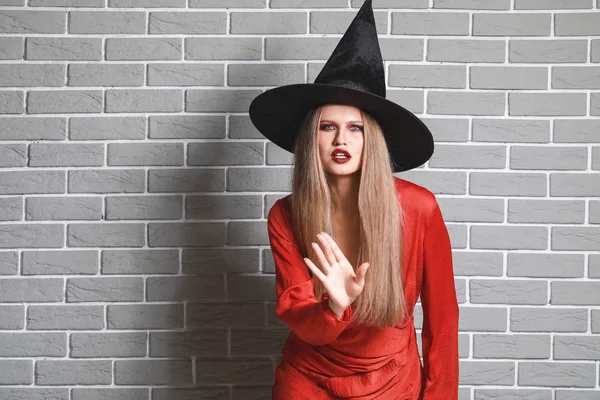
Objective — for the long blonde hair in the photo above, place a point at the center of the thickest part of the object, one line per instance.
(382, 303)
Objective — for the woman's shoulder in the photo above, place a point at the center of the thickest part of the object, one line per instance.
(280, 208)
(414, 197)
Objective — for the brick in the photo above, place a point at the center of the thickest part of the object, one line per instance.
(488, 319)
(30, 182)
(186, 75)
(33, 344)
(259, 179)
(595, 321)
(12, 102)
(439, 182)
(146, 316)
(202, 343)
(192, 234)
(50, 75)
(308, 3)
(64, 49)
(511, 130)
(233, 370)
(490, 291)
(487, 373)
(461, 156)
(548, 158)
(21, 21)
(194, 23)
(557, 374)
(107, 128)
(576, 238)
(226, 48)
(465, 103)
(241, 127)
(393, 3)
(13, 155)
(576, 131)
(576, 78)
(431, 76)
(546, 211)
(64, 101)
(107, 181)
(12, 48)
(32, 393)
(258, 341)
(430, 23)
(472, 4)
(458, 235)
(547, 104)
(251, 392)
(12, 315)
(540, 319)
(577, 24)
(511, 346)
(69, 262)
(576, 348)
(466, 50)
(143, 49)
(63, 208)
(225, 315)
(315, 48)
(144, 207)
(65, 317)
(146, 3)
(247, 233)
(447, 129)
(198, 261)
(575, 184)
(11, 209)
(73, 372)
(251, 288)
(330, 22)
(268, 23)
(12, 3)
(594, 104)
(278, 156)
(153, 372)
(219, 100)
(595, 49)
(217, 393)
(524, 394)
(264, 74)
(552, 4)
(245, 153)
(17, 372)
(103, 22)
(471, 263)
(179, 180)
(547, 51)
(186, 127)
(106, 75)
(66, 3)
(144, 100)
(509, 24)
(596, 158)
(228, 4)
(223, 207)
(105, 289)
(92, 345)
(412, 100)
(102, 394)
(106, 235)
(509, 237)
(139, 262)
(594, 216)
(65, 155)
(145, 154)
(508, 78)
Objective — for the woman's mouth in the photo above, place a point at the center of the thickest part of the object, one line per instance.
(340, 156)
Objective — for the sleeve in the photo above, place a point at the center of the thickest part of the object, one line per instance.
(311, 319)
(440, 313)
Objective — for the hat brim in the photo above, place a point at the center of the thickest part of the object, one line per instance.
(278, 113)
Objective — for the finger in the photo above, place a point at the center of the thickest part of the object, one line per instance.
(337, 252)
(325, 240)
(361, 274)
(321, 257)
(315, 270)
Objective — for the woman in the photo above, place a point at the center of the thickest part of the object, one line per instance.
(354, 246)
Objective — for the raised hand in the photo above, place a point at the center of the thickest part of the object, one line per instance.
(337, 275)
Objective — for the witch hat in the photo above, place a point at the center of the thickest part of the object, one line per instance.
(353, 75)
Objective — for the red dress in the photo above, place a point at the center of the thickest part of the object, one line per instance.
(329, 358)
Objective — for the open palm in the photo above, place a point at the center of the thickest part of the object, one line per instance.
(337, 275)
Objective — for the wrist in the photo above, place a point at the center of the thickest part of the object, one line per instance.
(338, 311)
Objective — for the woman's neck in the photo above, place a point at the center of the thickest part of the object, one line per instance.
(344, 194)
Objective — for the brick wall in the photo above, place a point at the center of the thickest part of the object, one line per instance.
(134, 259)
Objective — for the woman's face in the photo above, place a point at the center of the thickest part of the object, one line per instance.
(341, 139)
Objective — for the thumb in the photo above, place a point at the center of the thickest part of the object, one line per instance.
(361, 273)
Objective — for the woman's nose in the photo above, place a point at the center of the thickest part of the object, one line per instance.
(340, 137)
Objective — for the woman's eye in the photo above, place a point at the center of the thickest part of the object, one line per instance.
(326, 127)
(360, 128)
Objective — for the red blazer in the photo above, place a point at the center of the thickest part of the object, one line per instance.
(327, 358)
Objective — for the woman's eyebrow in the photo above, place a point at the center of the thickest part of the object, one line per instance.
(333, 122)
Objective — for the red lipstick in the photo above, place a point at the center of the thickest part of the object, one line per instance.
(340, 156)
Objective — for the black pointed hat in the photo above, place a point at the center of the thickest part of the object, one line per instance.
(354, 75)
